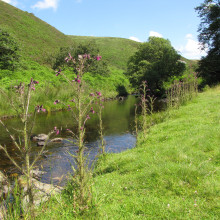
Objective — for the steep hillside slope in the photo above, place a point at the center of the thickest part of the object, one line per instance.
(36, 38)
(116, 51)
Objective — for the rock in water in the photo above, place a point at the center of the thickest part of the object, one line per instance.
(40, 137)
(40, 143)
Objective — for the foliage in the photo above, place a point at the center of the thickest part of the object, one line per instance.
(155, 61)
(209, 36)
(82, 48)
(9, 51)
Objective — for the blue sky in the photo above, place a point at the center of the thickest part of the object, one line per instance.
(175, 20)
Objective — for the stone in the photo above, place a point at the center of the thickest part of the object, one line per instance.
(56, 140)
(40, 137)
(41, 191)
(40, 143)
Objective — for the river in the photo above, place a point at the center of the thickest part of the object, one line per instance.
(118, 128)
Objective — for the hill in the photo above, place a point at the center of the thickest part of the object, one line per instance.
(37, 39)
(116, 51)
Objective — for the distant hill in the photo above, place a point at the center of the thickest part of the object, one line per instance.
(39, 41)
(116, 51)
(36, 38)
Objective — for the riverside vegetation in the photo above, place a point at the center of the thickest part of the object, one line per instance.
(170, 173)
(173, 170)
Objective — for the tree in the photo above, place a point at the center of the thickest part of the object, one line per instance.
(155, 61)
(82, 48)
(209, 36)
(9, 51)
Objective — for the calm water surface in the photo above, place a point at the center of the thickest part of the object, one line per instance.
(118, 123)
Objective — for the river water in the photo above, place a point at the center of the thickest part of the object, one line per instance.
(118, 128)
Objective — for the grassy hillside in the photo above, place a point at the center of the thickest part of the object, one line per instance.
(116, 51)
(36, 38)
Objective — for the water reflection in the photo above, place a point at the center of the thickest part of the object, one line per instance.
(118, 123)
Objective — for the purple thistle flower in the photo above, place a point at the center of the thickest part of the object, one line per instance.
(92, 110)
(98, 58)
(99, 93)
(92, 94)
(56, 102)
(58, 72)
(40, 108)
(57, 130)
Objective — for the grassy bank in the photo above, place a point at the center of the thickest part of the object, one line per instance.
(172, 173)
(51, 87)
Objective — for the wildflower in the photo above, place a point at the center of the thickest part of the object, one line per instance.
(98, 58)
(99, 93)
(69, 108)
(40, 108)
(56, 102)
(77, 79)
(73, 100)
(91, 110)
(56, 130)
(87, 117)
(92, 94)
(58, 72)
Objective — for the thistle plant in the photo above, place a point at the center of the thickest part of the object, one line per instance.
(147, 107)
(81, 108)
(182, 91)
(99, 112)
(20, 101)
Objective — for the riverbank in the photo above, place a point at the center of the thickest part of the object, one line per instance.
(52, 87)
(172, 173)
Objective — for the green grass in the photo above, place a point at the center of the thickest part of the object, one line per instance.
(173, 173)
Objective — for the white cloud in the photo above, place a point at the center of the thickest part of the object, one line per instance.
(155, 34)
(135, 39)
(45, 4)
(12, 2)
(192, 48)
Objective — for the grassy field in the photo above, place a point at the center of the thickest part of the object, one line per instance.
(172, 173)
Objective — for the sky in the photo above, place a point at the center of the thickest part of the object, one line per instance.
(175, 20)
